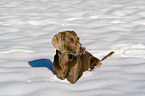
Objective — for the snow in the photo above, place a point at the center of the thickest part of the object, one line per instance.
(26, 30)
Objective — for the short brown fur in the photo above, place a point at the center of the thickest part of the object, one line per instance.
(71, 59)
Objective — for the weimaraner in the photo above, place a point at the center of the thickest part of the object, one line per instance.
(71, 59)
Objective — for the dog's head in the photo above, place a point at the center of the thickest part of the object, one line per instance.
(68, 41)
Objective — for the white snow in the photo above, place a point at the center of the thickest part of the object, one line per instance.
(26, 30)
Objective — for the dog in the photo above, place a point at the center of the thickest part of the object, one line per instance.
(71, 59)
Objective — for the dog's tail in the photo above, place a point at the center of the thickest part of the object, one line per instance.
(108, 55)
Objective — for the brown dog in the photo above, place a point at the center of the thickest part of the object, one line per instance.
(71, 59)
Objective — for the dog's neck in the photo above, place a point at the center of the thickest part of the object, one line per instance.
(71, 56)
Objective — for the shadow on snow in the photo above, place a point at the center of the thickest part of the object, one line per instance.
(42, 63)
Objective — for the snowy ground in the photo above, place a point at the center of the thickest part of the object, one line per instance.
(26, 30)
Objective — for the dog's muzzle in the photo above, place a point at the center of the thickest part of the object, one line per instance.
(82, 50)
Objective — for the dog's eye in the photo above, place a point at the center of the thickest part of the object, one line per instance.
(71, 40)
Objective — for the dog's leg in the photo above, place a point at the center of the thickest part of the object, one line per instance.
(57, 68)
(94, 62)
(73, 74)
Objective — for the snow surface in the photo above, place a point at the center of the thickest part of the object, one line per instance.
(26, 30)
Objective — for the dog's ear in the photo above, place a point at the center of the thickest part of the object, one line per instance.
(58, 42)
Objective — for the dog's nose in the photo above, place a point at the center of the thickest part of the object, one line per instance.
(82, 49)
